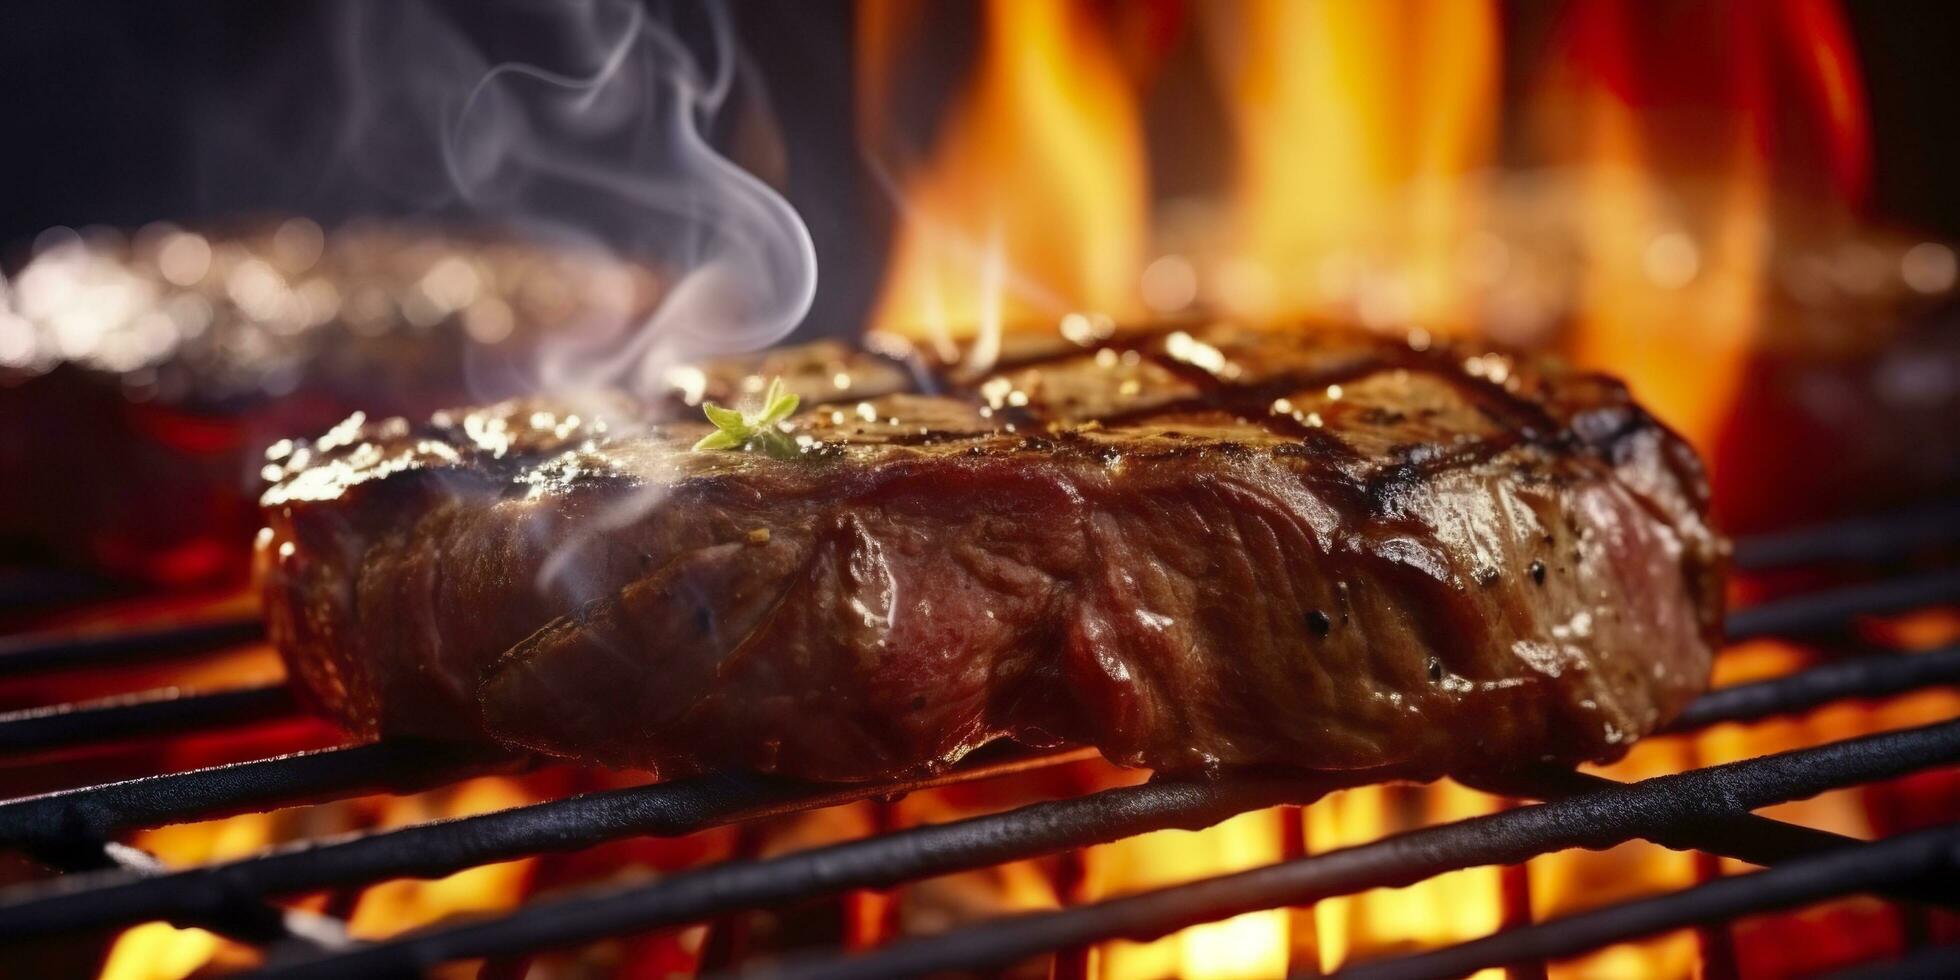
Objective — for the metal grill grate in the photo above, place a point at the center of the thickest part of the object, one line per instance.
(1709, 809)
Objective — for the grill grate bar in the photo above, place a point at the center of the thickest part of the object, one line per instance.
(34, 653)
(1597, 819)
(114, 884)
(669, 809)
(1871, 676)
(171, 711)
(309, 777)
(236, 917)
(434, 849)
(99, 812)
(1835, 607)
(168, 711)
(890, 859)
(1880, 538)
(1860, 868)
(1755, 839)
(1650, 807)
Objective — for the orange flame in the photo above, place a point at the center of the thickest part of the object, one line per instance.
(1363, 147)
(1032, 204)
(1361, 129)
(1250, 945)
(392, 907)
(160, 951)
(1671, 288)
(1445, 909)
(1364, 159)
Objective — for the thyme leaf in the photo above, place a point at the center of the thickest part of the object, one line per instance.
(747, 431)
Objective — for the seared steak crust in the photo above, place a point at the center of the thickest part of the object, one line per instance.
(1192, 549)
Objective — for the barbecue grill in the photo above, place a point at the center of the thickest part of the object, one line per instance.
(1709, 810)
(1707, 202)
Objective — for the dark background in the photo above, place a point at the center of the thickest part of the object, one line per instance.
(106, 109)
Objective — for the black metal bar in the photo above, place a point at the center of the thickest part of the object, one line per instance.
(446, 847)
(33, 653)
(1860, 868)
(1871, 537)
(37, 652)
(434, 849)
(1752, 838)
(1861, 677)
(1595, 820)
(1882, 537)
(55, 726)
(874, 862)
(99, 812)
(169, 711)
(150, 713)
(240, 918)
(1836, 607)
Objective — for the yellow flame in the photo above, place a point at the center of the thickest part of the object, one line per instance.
(1033, 202)
(1448, 908)
(160, 951)
(1361, 129)
(1669, 302)
(392, 907)
(1247, 946)
(157, 951)
(1362, 135)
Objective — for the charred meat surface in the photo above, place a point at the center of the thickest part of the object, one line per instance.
(1192, 549)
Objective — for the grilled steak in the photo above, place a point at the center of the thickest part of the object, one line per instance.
(1191, 549)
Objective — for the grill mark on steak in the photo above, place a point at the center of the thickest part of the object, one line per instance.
(1432, 570)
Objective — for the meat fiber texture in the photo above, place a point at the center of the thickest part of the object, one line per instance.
(1193, 549)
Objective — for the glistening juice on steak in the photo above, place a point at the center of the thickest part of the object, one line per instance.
(1192, 549)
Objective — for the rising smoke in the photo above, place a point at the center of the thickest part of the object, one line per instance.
(588, 123)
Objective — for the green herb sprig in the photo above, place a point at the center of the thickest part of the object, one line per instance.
(736, 429)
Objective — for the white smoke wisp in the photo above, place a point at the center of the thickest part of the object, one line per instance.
(597, 134)
(607, 144)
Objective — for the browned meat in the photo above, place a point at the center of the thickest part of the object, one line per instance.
(1883, 414)
(1191, 549)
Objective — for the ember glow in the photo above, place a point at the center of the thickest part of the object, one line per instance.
(1669, 272)
(1636, 231)
(1364, 138)
(1369, 165)
(1032, 202)
(1643, 206)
